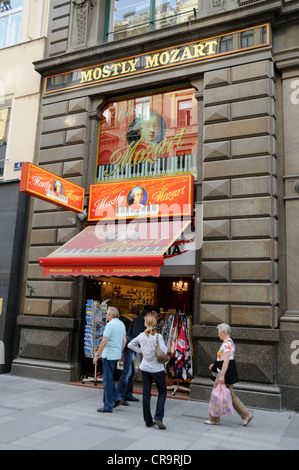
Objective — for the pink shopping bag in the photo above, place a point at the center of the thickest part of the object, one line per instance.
(221, 401)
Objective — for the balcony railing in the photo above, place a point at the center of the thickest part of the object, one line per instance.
(163, 166)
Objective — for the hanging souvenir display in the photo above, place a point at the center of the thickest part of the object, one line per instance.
(177, 337)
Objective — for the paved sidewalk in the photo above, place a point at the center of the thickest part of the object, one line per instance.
(42, 415)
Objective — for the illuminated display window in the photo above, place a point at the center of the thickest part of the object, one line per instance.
(149, 135)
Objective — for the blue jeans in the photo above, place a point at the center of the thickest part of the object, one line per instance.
(110, 393)
(125, 383)
(160, 381)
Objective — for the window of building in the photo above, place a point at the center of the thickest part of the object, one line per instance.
(4, 122)
(185, 113)
(132, 17)
(247, 39)
(10, 22)
(226, 44)
(148, 135)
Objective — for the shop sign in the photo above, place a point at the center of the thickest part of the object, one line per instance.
(148, 135)
(153, 197)
(117, 271)
(155, 60)
(182, 251)
(49, 187)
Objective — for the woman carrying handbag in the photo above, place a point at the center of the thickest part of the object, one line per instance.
(225, 371)
(152, 369)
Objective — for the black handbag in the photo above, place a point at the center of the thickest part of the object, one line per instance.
(214, 371)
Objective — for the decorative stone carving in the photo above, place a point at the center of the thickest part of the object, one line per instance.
(217, 3)
(82, 13)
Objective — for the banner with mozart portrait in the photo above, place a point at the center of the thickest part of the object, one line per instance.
(148, 198)
(148, 135)
(49, 187)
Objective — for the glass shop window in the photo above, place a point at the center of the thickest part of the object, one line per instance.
(148, 135)
(4, 123)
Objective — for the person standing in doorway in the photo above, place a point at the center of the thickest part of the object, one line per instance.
(111, 347)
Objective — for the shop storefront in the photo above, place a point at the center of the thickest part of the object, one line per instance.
(138, 246)
(180, 129)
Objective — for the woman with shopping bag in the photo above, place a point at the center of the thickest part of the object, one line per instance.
(225, 373)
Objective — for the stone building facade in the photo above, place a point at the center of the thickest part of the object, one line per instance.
(23, 26)
(247, 183)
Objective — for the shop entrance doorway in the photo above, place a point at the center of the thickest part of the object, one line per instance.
(173, 295)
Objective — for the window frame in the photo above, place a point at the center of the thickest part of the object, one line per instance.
(8, 14)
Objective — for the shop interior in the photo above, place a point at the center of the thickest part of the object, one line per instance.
(130, 295)
(173, 295)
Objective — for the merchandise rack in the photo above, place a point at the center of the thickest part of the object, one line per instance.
(95, 319)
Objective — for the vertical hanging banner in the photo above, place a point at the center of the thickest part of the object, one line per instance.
(49, 187)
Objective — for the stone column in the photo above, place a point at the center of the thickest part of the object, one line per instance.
(239, 257)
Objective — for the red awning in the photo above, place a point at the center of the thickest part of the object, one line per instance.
(134, 249)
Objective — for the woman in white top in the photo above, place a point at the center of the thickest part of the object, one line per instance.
(151, 369)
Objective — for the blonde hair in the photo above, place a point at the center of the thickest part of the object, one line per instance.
(150, 322)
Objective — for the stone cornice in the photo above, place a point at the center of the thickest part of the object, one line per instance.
(201, 28)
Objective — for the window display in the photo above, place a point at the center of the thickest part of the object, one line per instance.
(129, 297)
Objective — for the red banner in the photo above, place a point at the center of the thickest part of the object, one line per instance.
(152, 197)
(49, 187)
